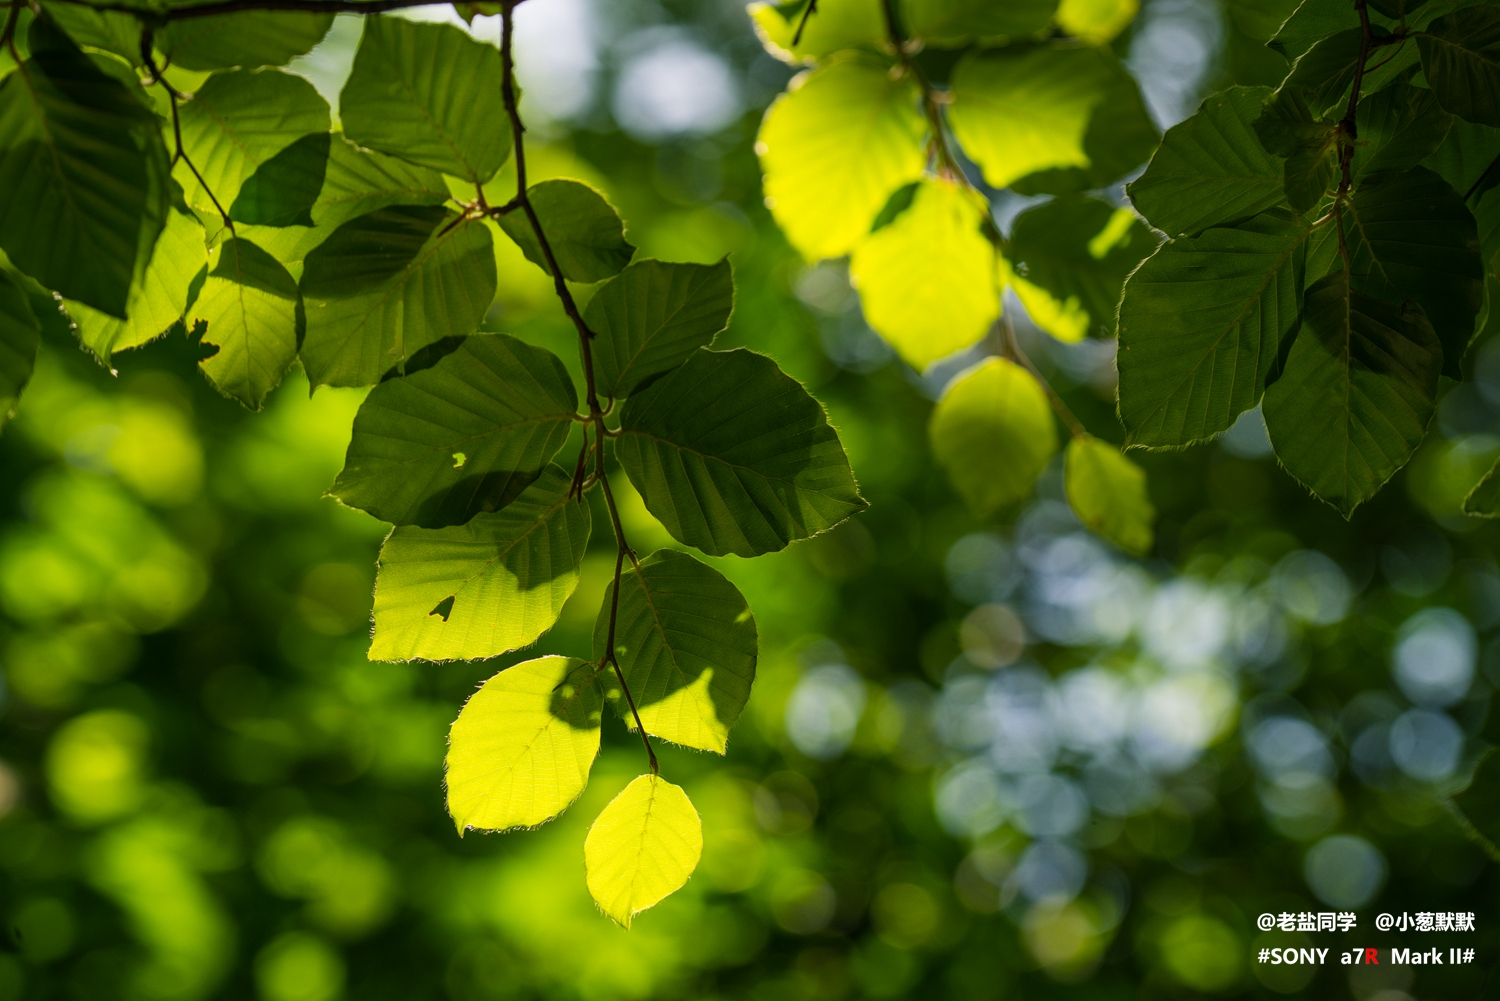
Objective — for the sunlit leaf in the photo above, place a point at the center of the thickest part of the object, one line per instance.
(248, 39)
(927, 279)
(430, 94)
(1461, 60)
(1359, 389)
(993, 431)
(463, 436)
(955, 22)
(835, 25)
(480, 589)
(520, 751)
(651, 316)
(1108, 493)
(1201, 322)
(686, 644)
(112, 31)
(733, 456)
(19, 336)
(834, 149)
(253, 314)
(584, 231)
(1096, 21)
(642, 848)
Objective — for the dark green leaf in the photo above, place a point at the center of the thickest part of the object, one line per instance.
(284, 189)
(1480, 813)
(1398, 128)
(387, 284)
(480, 589)
(1359, 389)
(955, 22)
(1484, 500)
(253, 313)
(686, 643)
(111, 31)
(20, 335)
(1466, 156)
(249, 39)
(1396, 8)
(734, 456)
(1313, 21)
(430, 94)
(1211, 169)
(1288, 128)
(463, 436)
(584, 231)
(1461, 60)
(651, 316)
(1201, 322)
(1326, 71)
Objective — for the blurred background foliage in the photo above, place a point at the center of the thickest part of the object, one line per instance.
(982, 761)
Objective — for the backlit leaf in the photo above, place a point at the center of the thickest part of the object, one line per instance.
(19, 336)
(1399, 127)
(253, 313)
(584, 231)
(1108, 494)
(483, 588)
(993, 431)
(1096, 21)
(954, 22)
(248, 39)
(520, 751)
(733, 456)
(460, 437)
(1461, 60)
(835, 25)
(642, 848)
(686, 643)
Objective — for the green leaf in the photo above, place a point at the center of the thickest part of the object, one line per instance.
(835, 25)
(1071, 115)
(1288, 128)
(686, 644)
(1201, 322)
(253, 313)
(83, 175)
(584, 231)
(158, 297)
(1464, 157)
(1326, 71)
(20, 335)
(1359, 389)
(241, 121)
(992, 430)
(1210, 169)
(112, 31)
(1108, 494)
(1396, 8)
(249, 39)
(387, 284)
(642, 848)
(430, 94)
(834, 148)
(1398, 128)
(520, 751)
(651, 316)
(1479, 814)
(957, 22)
(1461, 60)
(1313, 21)
(1071, 257)
(733, 456)
(1096, 21)
(461, 437)
(927, 280)
(1484, 500)
(483, 588)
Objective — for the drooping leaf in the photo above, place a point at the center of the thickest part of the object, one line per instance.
(248, 39)
(992, 430)
(651, 316)
(834, 149)
(1359, 389)
(83, 175)
(1399, 127)
(463, 436)
(1210, 169)
(1096, 21)
(20, 334)
(253, 314)
(835, 25)
(388, 283)
(1058, 118)
(1288, 128)
(157, 299)
(642, 848)
(483, 588)
(1461, 60)
(957, 22)
(520, 751)
(927, 279)
(733, 456)
(1108, 494)
(584, 231)
(1071, 257)
(430, 94)
(1201, 322)
(686, 644)
(241, 121)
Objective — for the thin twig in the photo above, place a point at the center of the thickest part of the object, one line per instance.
(812, 8)
(947, 162)
(1013, 350)
(148, 57)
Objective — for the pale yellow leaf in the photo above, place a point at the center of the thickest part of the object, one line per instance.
(642, 848)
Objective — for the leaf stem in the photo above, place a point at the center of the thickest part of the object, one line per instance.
(173, 96)
(812, 8)
(585, 336)
(1349, 128)
(8, 33)
(947, 163)
(1013, 348)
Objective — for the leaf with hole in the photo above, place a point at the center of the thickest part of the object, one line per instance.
(20, 334)
(733, 456)
(253, 314)
(584, 231)
(485, 587)
(521, 749)
(686, 643)
(1108, 494)
(992, 430)
(642, 848)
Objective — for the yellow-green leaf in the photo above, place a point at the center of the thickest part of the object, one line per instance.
(835, 25)
(1096, 21)
(520, 751)
(253, 314)
(927, 280)
(834, 148)
(1108, 493)
(992, 430)
(642, 848)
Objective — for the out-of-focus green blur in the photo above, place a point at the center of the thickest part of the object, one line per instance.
(980, 761)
